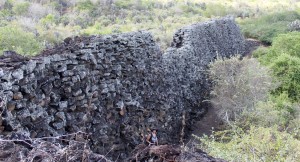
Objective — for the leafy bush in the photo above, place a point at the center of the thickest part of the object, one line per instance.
(263, 130)
(48, 20)
(89, 7)
(284, 60)
(13, 38)
(287, 43)
(21, 8)
(85, 5)
(215, 10)
(192, 9)
(267, 27)
(238, 85)
(260, 51)
(125, 4)
(277, 110)
(286, 68)
(256, 144)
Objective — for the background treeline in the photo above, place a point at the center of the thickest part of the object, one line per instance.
(28, 26)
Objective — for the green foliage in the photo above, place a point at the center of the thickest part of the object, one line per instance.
(287, 43)
(256, 144)
(213, 10)
(4, 14)
(270, 130)
(277, 110)
(194, 10)
(125, 4)
(48, 20)
(85, 5)
(61, 18)
(21, 8)
(14, 38)
(6, 10)
(286, 68)
(267, 27)
(149, 4)
(260, 51)
(284, 60)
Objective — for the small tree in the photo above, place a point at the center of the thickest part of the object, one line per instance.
(238, 85)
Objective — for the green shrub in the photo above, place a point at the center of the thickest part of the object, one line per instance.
(241, 88)
(267, 27)
(21, 8)
(125, 4)
(215, 10)
(278, 110)
(283, 57)
(260, 51)
(14, 38)
(287, 43)
(85, 5)
(256, 144)
(192, 9)
(286, 68)
(48, 21)
(51, 37)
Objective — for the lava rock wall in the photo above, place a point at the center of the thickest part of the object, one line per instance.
(113, 87)
(185, 62)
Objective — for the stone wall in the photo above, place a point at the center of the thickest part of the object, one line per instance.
(113, 87)
(185, 62)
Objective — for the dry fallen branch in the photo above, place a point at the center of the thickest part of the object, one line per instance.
(39, 149)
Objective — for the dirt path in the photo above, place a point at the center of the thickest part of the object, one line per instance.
(253, 44)
(204, 126)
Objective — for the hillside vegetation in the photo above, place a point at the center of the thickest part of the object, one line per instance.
(45, 23)
(258, 103)
(257, 99)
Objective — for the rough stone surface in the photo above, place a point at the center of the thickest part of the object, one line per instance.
(185, 62)
(114, 87)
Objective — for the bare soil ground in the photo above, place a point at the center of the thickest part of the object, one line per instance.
(205, 126)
